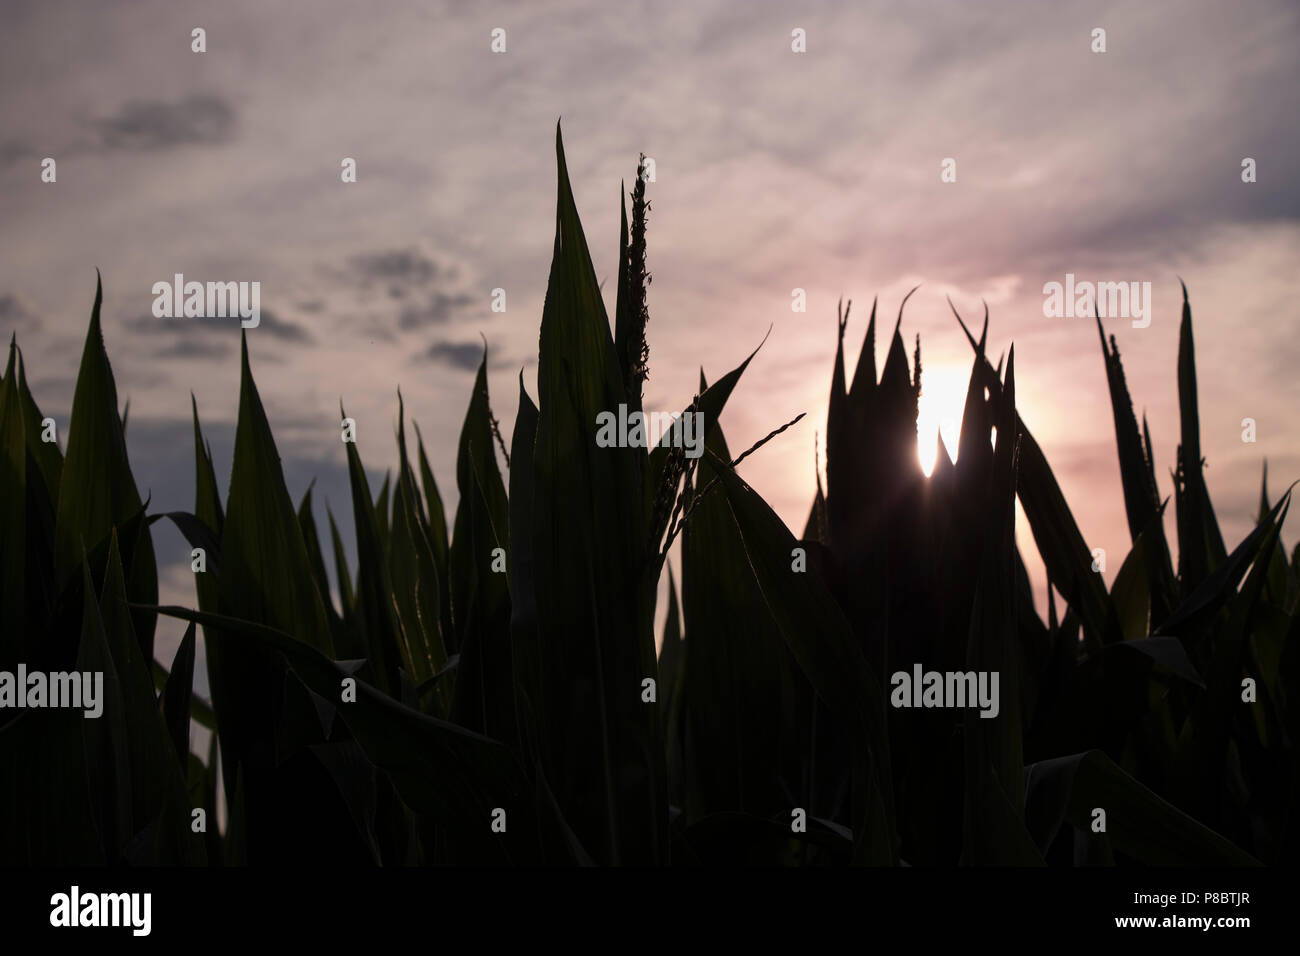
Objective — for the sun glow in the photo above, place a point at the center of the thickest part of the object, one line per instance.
(943, 394)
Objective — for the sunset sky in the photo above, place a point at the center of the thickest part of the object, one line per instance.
(775, 170)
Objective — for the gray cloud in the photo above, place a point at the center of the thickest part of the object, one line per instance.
(461, 355)
(158, 124)
(466, 356)
(16, 315)
(283, 329)
(439, 308)
(421, 288)
(396, 265)
(11, 151)
(196, 348)
(213, 338)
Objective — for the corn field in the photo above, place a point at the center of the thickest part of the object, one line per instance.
(488, 687)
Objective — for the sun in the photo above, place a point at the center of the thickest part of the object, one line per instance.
(943, 394)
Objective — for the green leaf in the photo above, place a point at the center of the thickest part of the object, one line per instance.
(821, 641)
(48, 458)
(266, 575)
(1131, 593)
(713, 399)
(315, 554)
(373, 610)
(381, 512)
(107, 738)
(530, 694)
(436, 530)
(672, 684)
(480, 592)
(438, 768)
(1167, 652)
(1056, 534)
(16, 644)
(177, 694)
(738, 696)
(207, 499)
(1200, 545)
(97, 490)
(1141, 499)
(414, 577)
(1204, 602)
(992, 833)
(1138, 822)
(602, 748)
(157, 772)
(346, 598)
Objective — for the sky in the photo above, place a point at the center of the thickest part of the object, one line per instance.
(775, 170)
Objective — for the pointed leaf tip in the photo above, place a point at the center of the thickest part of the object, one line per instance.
(899, 324)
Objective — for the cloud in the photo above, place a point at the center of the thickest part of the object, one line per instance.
(158, 124)
(213, 338)
(11, 151)
(190, 347)
(461, 355)
(438, 309)
(283, 329)
(396, 265)
(466, 356)
(16, 315)
(423, 290)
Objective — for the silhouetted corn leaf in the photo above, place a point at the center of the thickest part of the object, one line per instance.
(414, 576)
(713, 399)
(1138, 822)
(381, 507)
(1060, 543)
(341, 573)
(993, 833)
(15, 642)
(262, 540)
(156, 780)
(96, 490)
(820, 640)
(1214, 591)
(106, 741)
(316, 556)
(601, 746)
(1166, 651)
(1141, 499)
(672, 679)
(177, 696)
(437, 767)
(480, 590)
(525, 650)
(738, 693)
(436, 530)
(48, 458)
(373, 611)
(1200, 545)
(207, 497)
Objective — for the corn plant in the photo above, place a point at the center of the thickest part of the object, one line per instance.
(487, 689)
